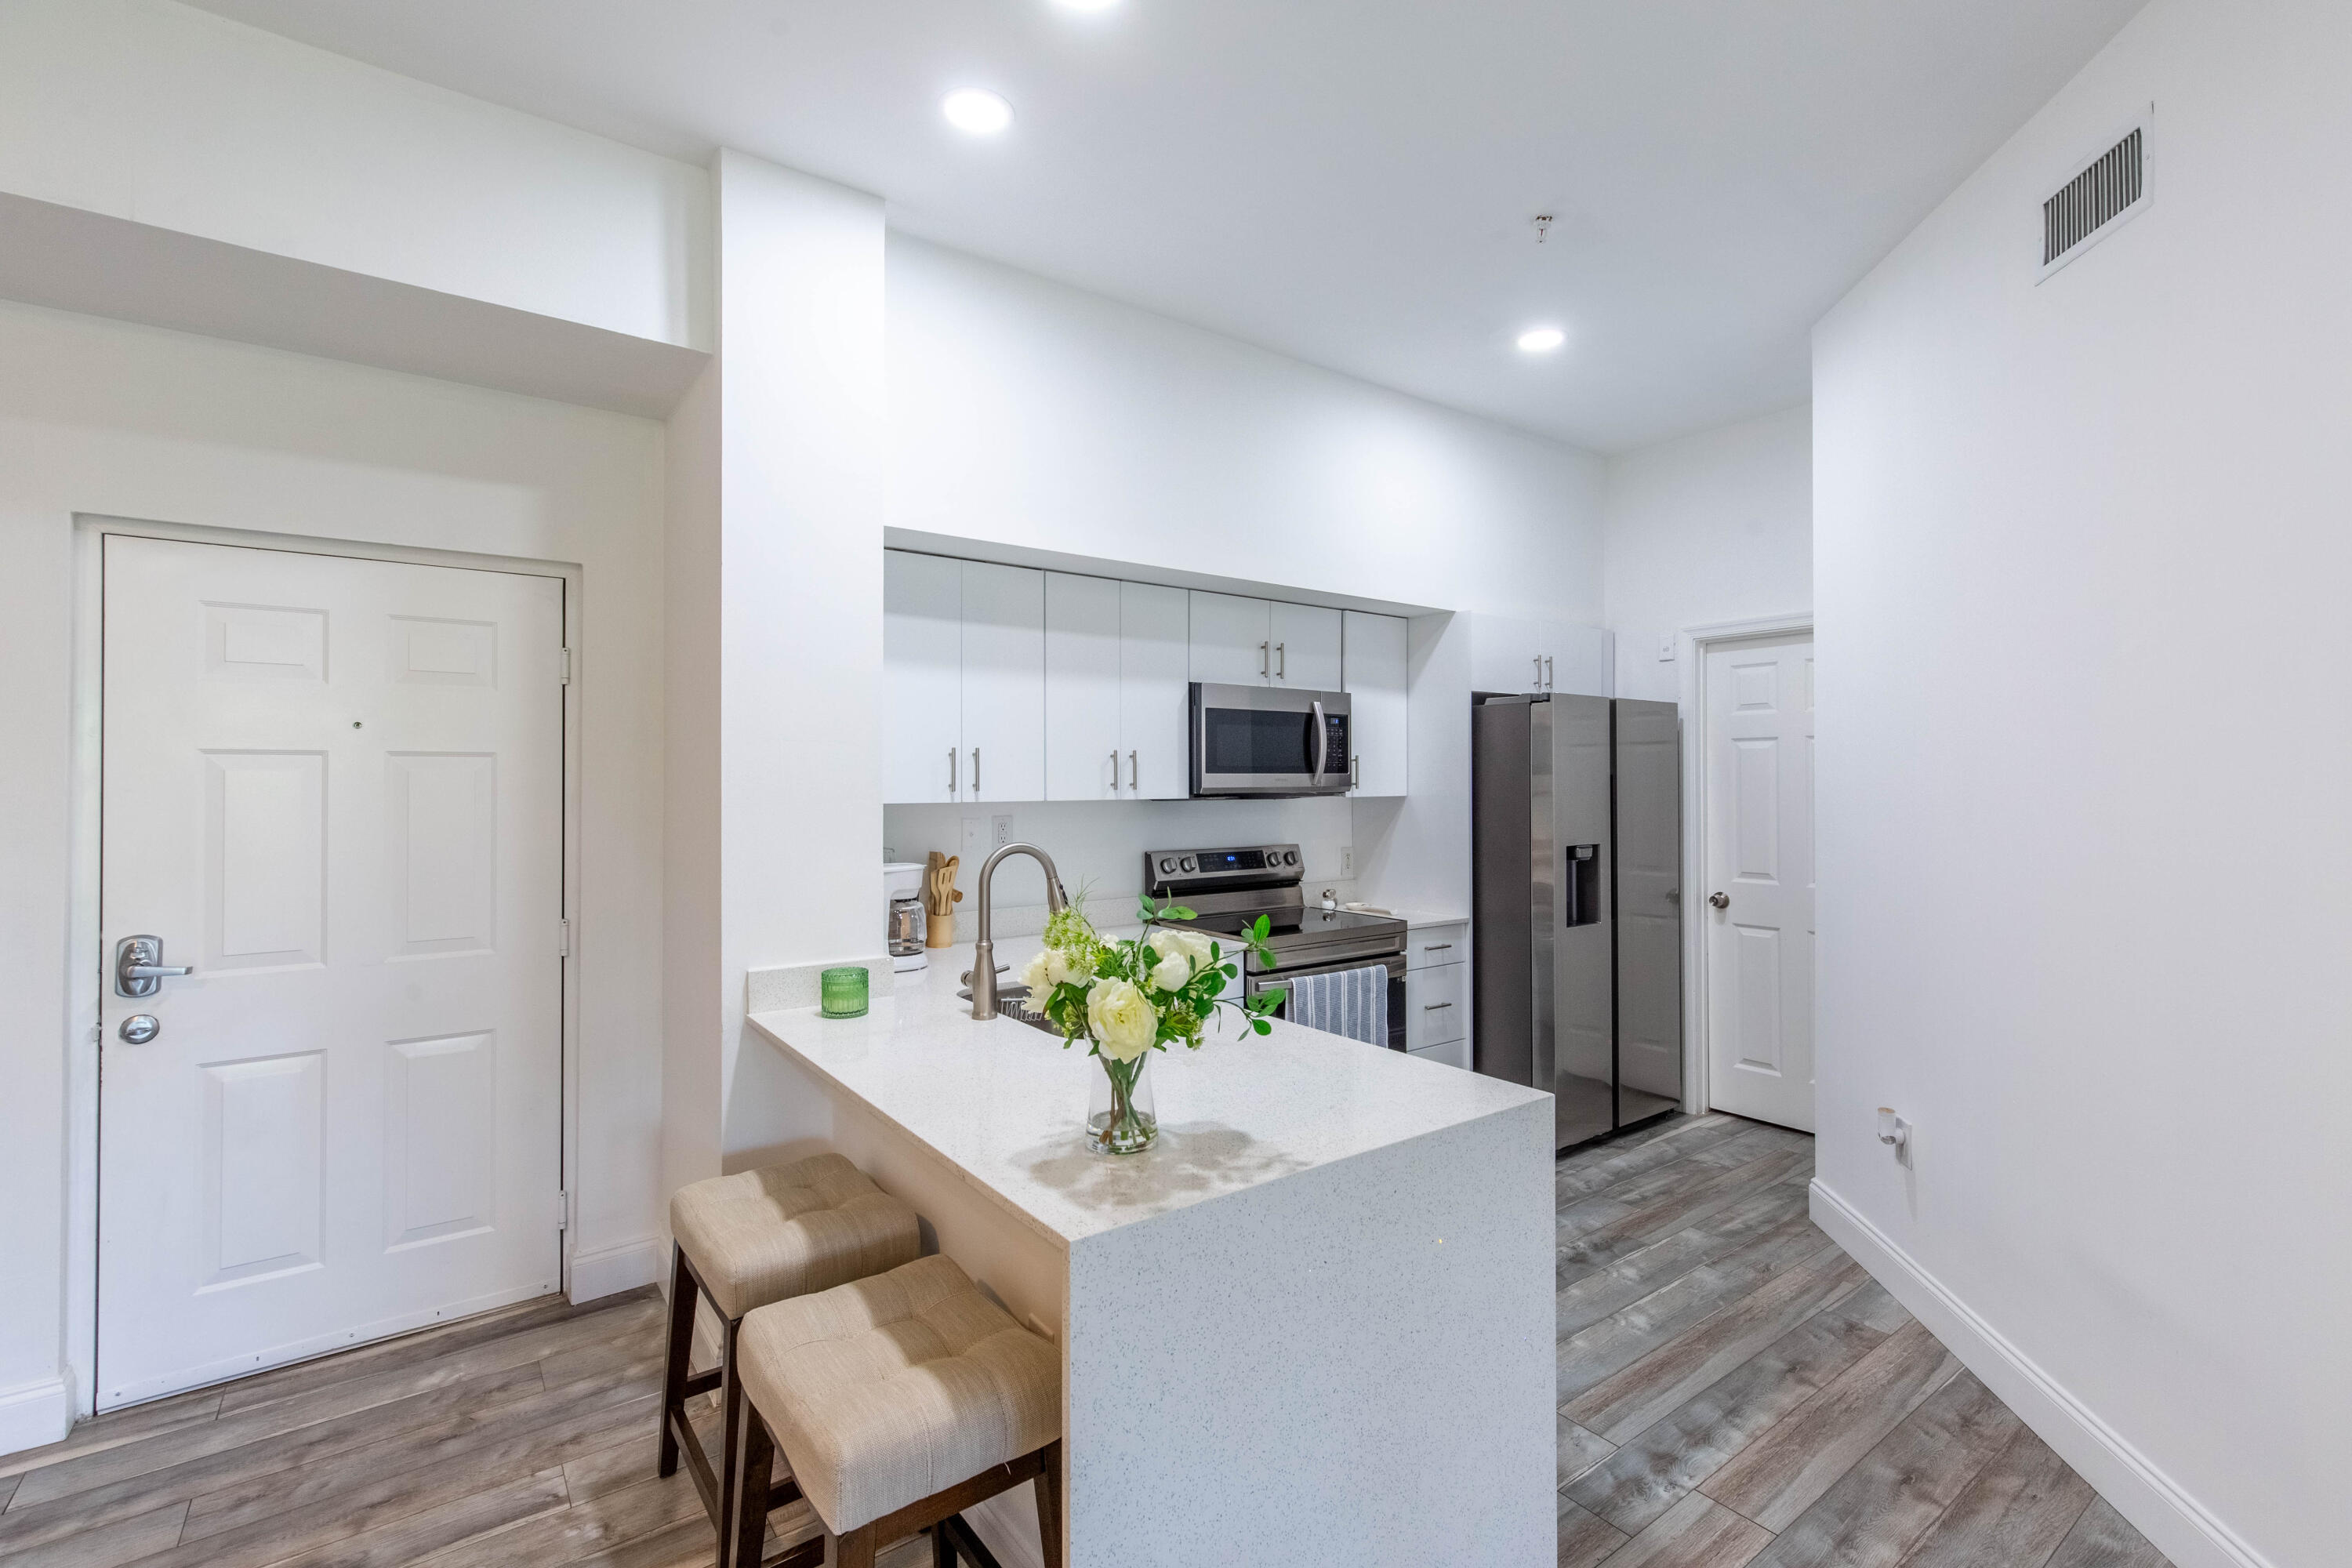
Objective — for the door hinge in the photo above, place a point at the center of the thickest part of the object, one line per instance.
(563, 939)
(563, 1209)
(566, 666)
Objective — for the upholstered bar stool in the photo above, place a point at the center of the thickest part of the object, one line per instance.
(898, 1401)
(744, 1241)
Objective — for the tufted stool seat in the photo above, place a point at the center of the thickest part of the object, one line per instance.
(898, 1401)
(748, 1240)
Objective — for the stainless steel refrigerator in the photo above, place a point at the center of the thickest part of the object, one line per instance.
(1576, 842)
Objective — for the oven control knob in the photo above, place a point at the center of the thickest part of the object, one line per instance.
(1290, 856)
(1166, 865)
(1188, 864)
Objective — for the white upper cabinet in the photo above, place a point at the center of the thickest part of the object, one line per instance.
(1154, 663)
(1003, 682)
(922, 676)
(1376, 674)
(1232, 639)
(1511, 655)
(1082, 688)
(1306, 647)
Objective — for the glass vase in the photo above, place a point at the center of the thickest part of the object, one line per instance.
(1119, 1115)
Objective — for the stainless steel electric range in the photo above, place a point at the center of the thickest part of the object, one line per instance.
(1229, 888)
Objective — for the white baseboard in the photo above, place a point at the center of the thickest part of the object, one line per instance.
(2177, 1524)
(35, 1414)
(608, 1270)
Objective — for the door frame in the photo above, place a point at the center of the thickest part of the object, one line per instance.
(85, 953)
(1691, 645)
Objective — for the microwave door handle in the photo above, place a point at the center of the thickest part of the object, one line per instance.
(1322, 744)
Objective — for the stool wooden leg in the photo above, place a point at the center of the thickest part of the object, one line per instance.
(735, 1407)
(743, 1533)
(943, 1551)
(1048, 1483)
(854, 1549)
(682, 1296)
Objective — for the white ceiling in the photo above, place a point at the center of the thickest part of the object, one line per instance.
(1350, 182)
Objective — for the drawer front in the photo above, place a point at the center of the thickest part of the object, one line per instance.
(1428, 946)
(1433, 1004)
(1453, 1053)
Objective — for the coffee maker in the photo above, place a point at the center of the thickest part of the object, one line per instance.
(902, 896)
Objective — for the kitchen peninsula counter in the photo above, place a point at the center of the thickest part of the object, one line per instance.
(1312, 1323)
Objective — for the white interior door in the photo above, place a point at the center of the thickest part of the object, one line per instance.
(1759, 917)
(923, 677)
(1154, 660)
(1082, 681)
(1003, 682)
(335, 788)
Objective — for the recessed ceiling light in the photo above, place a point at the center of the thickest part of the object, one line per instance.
(976, 111)
(1541, 339)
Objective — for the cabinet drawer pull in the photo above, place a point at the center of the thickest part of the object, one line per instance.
(1436, 946)
(1434, 1006)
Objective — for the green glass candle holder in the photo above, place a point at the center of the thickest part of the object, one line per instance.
(843, 992)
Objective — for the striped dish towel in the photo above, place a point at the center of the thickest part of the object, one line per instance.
(1353, 1001)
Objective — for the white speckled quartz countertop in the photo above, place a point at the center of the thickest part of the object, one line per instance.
(1004, 1103)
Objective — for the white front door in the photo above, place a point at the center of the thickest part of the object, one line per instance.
(1759, 914)
(335, 788)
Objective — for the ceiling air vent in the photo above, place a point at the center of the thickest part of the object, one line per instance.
(2083, 210)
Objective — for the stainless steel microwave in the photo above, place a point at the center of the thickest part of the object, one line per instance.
(1268, 741)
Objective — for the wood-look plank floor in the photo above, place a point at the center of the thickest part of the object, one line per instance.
(1735, 1391)
(523, 1438)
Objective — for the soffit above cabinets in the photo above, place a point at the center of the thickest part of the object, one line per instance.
(1008, 555)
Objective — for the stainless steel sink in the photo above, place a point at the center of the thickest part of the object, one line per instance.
(1013, 1002)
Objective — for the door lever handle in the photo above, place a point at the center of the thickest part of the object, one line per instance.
(139, 968)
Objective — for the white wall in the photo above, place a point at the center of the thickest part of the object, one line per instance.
(2083, 914)
(1706, 529)
(100, 417)
(1031, 413)
(178, 118)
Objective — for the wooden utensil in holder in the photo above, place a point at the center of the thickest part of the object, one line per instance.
(940, 895)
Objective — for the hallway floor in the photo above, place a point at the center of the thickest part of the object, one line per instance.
(1734, 1390)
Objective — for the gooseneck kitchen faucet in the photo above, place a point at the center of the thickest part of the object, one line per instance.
(983, 953)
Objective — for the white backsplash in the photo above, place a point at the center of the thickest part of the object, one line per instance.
(1098, 847)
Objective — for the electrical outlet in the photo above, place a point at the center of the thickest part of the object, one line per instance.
(1000, 830)
(1347, 859)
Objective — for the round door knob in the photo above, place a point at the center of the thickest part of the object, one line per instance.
(1720, 900)
(138, 1028)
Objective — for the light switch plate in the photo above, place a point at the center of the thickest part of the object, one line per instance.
(1666, 651)
(975, 843)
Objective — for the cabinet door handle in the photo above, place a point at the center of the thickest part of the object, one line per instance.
(1551, 677)
(1282, 662)
(1355, 769)
(1134, 774)
(951, 773)
(1114, 772)
(1265, 664)
(1539, 658)
(975, 772)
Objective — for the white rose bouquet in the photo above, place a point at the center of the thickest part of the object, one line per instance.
(1130, 998)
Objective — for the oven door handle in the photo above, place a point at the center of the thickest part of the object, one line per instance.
(1322, 744)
